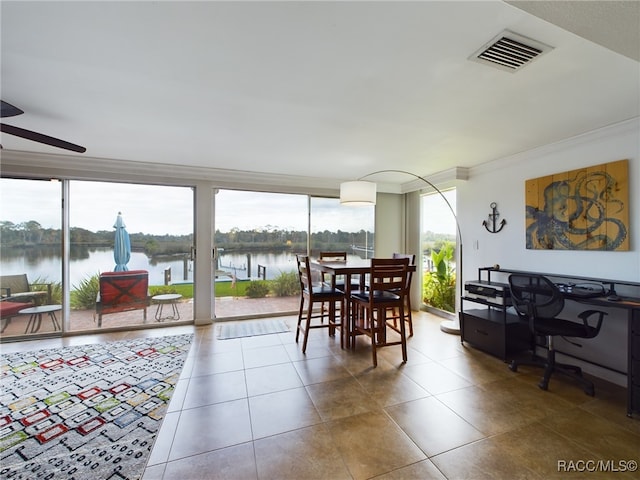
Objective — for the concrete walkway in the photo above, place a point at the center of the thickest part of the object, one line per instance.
(235, 308)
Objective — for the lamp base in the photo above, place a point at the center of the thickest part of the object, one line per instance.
(450, 326)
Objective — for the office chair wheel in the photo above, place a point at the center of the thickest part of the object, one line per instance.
(590, 391)
(513, 366)
(543, 385)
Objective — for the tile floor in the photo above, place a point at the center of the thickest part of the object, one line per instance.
(256, 408)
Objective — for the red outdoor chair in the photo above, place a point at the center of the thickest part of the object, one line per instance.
(122, 292)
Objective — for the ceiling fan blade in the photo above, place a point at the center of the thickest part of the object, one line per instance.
(40, 138)
(8, 110)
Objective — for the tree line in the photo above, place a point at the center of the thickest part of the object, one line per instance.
(32, 234)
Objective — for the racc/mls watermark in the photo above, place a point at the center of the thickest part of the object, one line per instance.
(612, 466)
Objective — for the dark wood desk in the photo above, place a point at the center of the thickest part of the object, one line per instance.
(625, 302)
(348, 269)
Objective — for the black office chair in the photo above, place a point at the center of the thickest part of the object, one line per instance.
(538, 301)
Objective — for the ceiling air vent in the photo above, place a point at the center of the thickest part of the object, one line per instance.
(510, 51)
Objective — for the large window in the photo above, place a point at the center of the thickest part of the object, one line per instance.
(159, 224)
(439, 250)
(257, 236)
(336, 227)
(31, 257)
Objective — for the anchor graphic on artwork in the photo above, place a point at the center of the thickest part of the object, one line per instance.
(493, 219)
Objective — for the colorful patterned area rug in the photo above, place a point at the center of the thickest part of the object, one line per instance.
(251, 328)
(86, 412)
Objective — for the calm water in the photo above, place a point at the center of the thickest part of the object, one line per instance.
(47, 265)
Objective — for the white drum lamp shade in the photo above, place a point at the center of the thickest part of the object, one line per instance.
(358, 193)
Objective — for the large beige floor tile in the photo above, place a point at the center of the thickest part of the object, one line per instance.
(372, 444)
(282, 411)
(434, 427)
(272, 378)
(390, 387)
(231, 463)
(424, 470)
(322, 369)
(216, 388)
(489, 414)
(211, 427)
(435, 378)
(483, 460)
(307, 453)
(265, 355)
(341, 398)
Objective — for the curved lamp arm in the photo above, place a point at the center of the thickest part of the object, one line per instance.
(453, 212)
(362, 192)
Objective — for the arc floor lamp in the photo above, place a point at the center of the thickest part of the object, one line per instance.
(363, 192)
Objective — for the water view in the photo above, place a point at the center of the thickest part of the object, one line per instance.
(46, 264)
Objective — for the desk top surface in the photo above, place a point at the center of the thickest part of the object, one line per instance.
(584, 293)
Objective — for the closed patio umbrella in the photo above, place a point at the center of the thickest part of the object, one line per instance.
(122, 245)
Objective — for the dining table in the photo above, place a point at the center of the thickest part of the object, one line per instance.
(350, 268)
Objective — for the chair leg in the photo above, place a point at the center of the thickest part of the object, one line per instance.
(343, 325)
(332, 318)
(551, 366)
(374, 340)
(409, 316)
(403, 335)
(307, 327)
(551, 360)
(300, 317)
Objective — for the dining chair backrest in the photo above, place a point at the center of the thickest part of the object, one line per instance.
(333, 256)
(388, 274)
(411, 257)
(304, 273)
(412, 261)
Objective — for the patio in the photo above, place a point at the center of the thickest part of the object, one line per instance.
(225, 308)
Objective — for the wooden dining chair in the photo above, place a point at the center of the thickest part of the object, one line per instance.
(317, 293)
(387, 290)
(407, 305)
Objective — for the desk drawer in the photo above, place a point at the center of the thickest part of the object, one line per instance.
(488, 331)
(481, 332)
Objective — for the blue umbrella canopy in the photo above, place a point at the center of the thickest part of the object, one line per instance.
(121, 246)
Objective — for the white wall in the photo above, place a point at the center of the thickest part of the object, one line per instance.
(390, 218)
(503, 182)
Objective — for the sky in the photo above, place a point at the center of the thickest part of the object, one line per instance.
(95, 205)
(436, 215)
(161, 210)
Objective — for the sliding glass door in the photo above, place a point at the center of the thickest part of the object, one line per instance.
(118, 231)
(257, 236)
(31, 257)
(129, 257)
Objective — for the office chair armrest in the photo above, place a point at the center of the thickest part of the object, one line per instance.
(588, 313)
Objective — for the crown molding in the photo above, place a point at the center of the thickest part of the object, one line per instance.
(41, 165)
(442, 180)
(627, 127)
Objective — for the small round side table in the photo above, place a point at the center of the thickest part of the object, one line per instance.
(35, 319)
(167, 299)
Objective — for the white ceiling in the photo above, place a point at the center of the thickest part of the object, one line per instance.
(315, 89)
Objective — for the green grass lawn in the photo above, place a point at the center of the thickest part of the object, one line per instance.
(222, 289)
